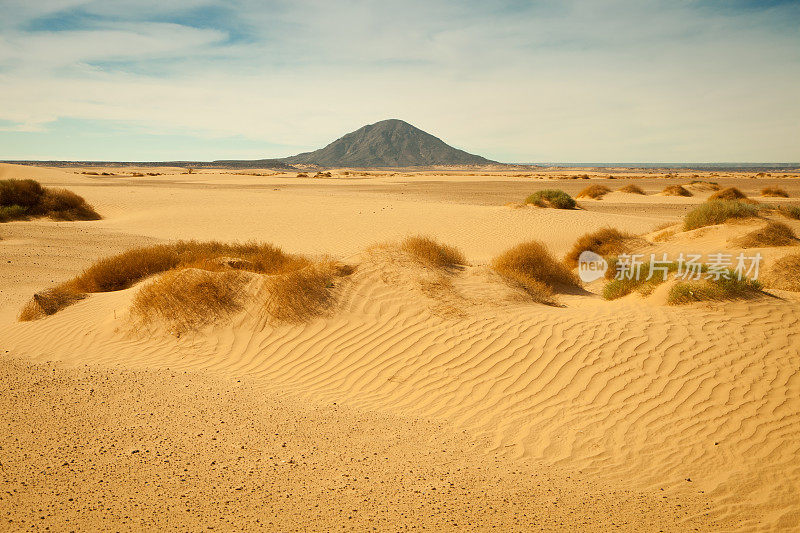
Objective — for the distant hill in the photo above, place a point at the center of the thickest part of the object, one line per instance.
(388, 143)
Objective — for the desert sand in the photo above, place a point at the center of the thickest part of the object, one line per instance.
(412, 405)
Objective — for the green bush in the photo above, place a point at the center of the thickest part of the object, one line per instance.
(717, 212)
(617, 288)
(713, 290)
(555, 198)
(13, 212)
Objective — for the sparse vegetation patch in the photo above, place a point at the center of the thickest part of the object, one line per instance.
(554, 198)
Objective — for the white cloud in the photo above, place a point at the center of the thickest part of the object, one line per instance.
(623, 81)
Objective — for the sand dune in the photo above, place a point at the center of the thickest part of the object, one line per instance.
(700, 404)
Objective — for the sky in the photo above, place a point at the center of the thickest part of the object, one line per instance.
(512, 80)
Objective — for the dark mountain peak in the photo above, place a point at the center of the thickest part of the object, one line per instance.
(388, 143)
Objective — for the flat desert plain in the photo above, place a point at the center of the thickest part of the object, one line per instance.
(422, 398)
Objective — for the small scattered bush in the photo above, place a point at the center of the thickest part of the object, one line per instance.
(730, 193)
(713, 290)
(705, 185)
(554, 198)
(594, 191)
(432, 253)
(675, 190)
(632, 189)
(784, 274)
(21, 199)
(790, 211)
(605, 242)
(530, 267)
(774, 192)
(773, 234)
(717, 212)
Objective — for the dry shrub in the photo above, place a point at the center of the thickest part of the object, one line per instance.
(784, 274)
(302, 175)
(717, 212)
(632, 189)
(128, 268)
(27, 198)
(49, 302)
(61, 204)
(190, 298)
(730, 193)
(675, 190)
(773, 234)
(531, 267)
(605, 242)
(774, 192)
(705, 185)
(305, 293)
(431, 253)
(790, 211)
(24, 193)
(554, 198)
(594, 192)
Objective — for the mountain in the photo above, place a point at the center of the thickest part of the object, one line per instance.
(388, 143)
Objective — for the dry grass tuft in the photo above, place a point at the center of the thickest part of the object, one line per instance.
(189, 299)
(790, 211)
(49, 302)
(531, 267)
(784, 274)
(128, 268)
(632, 189)
(730, 193)
(306, 293)
(773, 234)
(675, 190)
(605, 242)
(774, 192)
(705, 185)
(717, 212)
(594, 191)
(21, 199)
(431, 253)
(554, 198)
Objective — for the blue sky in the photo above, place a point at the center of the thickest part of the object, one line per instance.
(568, 80)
